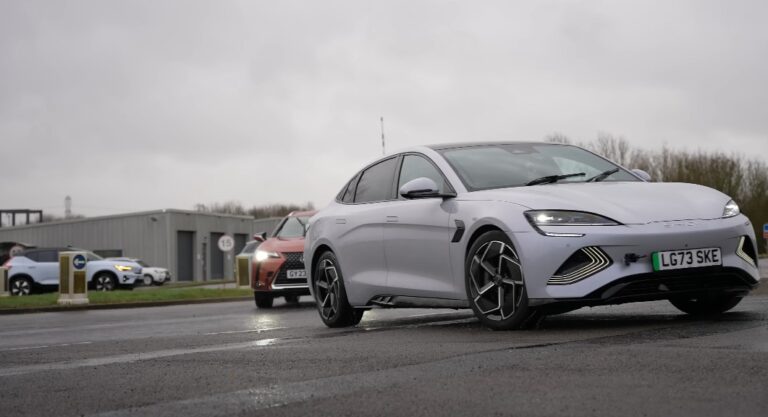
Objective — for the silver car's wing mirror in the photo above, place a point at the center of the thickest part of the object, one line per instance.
(422, 187)
(642, 174)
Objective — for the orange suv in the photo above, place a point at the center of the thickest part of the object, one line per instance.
(278, 264)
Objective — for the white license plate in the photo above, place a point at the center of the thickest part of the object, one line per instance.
(686, 258)
(296, 273)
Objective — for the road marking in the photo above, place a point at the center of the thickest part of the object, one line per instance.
(44, 346)
(245, 331)
(417, 325)
(135, 357)
(132, 357)
(439, 313)
(113, 325)
(250, 401)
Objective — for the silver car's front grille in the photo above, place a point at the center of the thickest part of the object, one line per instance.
(583, 263)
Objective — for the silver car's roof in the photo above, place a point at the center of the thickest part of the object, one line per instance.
(440, 147)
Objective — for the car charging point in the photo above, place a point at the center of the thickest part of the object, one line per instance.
(73, 286)
(4, 282)
(243, 271)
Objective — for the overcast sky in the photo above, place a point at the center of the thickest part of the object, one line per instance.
(139, 105)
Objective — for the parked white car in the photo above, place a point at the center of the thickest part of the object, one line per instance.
(38, 269)
(150, 275)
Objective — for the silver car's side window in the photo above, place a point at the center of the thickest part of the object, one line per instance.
(349, 191)
(415, 166)
(376, 182)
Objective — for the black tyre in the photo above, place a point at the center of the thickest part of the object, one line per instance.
(292, 299)
(705, 305)
(147, 280)
(104, 282)
(495, 284)
(331, 295)
(20, 286)
(263, 300)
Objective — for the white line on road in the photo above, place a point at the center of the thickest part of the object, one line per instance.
(44, 346)
(112, 325)
(135, 357)
(132, 357)
(244, 331)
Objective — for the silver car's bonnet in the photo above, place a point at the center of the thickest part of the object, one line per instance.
(625, 202)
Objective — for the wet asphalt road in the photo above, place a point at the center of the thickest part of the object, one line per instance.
(232, 359)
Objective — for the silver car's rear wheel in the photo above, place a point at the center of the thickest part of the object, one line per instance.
(495, 284)
(331, 296)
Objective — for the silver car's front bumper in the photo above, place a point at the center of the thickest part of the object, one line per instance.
(542, 255)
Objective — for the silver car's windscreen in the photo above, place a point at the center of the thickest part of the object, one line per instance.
(513, 165)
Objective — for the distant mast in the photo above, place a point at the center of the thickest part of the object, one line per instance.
(383, 148)
(67, 207)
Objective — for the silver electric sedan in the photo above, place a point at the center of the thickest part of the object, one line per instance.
(516, 231)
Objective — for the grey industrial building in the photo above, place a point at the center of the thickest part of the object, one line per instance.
(185, 242)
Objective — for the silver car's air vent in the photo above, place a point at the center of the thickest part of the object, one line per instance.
(746, 251)
(583, 263)
(383, 300)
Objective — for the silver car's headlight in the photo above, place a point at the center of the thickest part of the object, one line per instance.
(731, 209)
(567, 218)
(262, 255)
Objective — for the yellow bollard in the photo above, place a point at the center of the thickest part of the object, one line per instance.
(4, 284)
(73, 286)
(243, 271)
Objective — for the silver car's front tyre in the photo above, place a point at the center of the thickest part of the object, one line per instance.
(331, 296)
(706, 304)
(495, 284)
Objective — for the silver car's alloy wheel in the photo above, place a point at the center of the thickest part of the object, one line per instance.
(331, 295)
(327, 289)
(497, 287)
(20, 287)
(104, 282)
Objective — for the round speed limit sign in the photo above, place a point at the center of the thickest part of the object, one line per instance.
(226, 243)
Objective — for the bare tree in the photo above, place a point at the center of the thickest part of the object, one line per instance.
(258, 212)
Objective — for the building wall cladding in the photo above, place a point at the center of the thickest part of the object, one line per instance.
(151, 236)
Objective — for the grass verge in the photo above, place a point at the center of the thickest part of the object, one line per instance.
(124, 297)
(187, 284)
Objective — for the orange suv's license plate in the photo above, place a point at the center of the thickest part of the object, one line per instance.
(296, 273)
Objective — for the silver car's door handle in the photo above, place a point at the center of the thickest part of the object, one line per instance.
(341, 221)
(392, 219)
